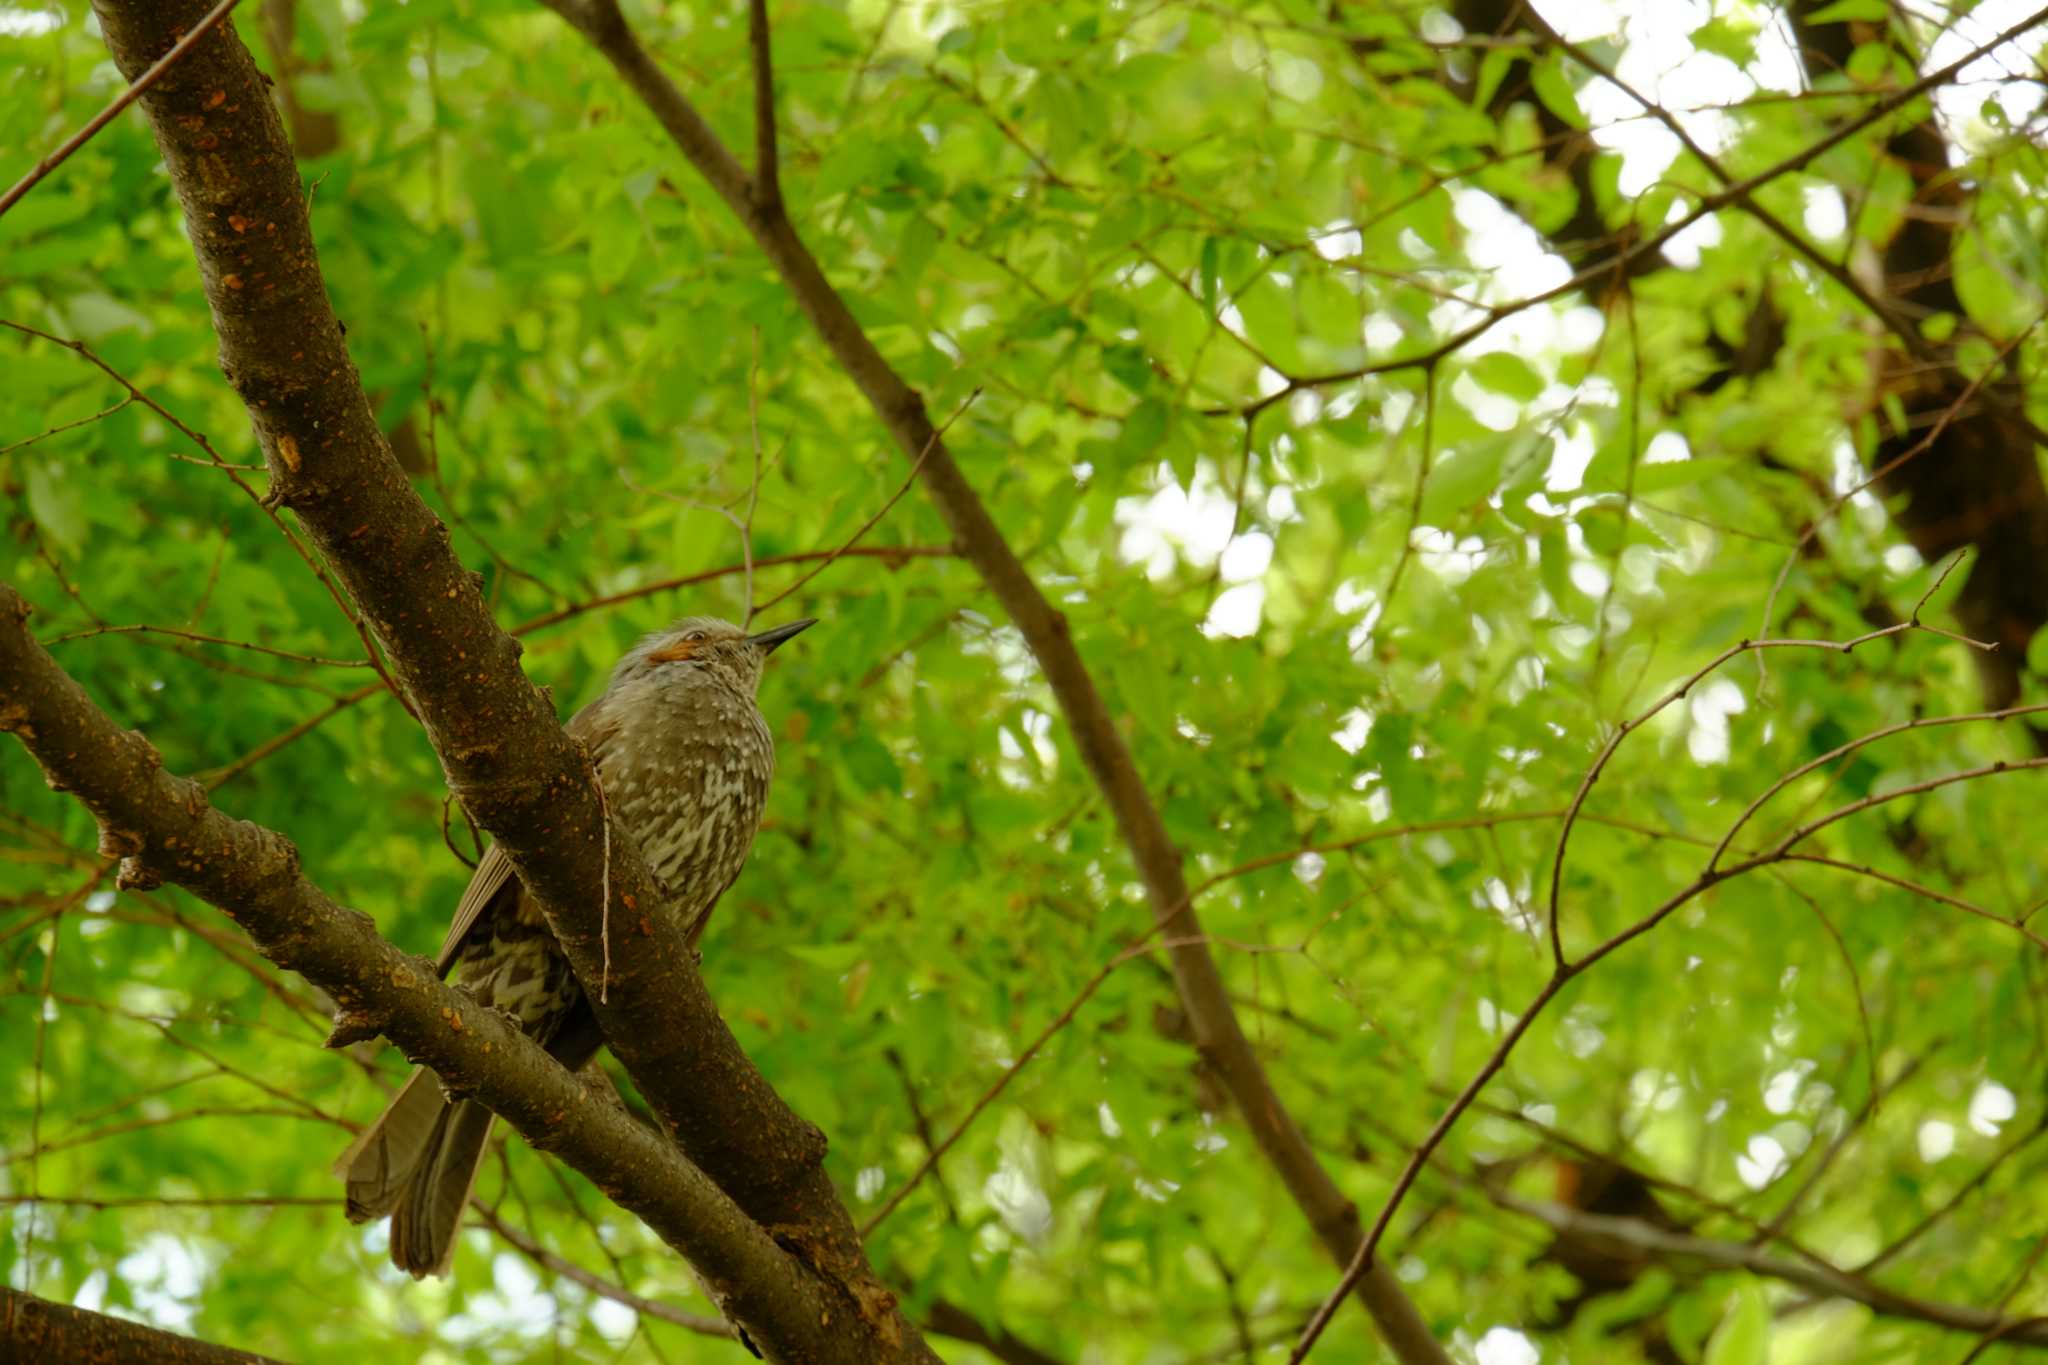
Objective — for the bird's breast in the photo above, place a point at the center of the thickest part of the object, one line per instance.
(688, 778)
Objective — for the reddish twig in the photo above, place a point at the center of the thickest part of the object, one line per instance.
(121, 101)
(198, 638)
(909, 481)
(62, 427)
(1002, 1083)
(234, 472)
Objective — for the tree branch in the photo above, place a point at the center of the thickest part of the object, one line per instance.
(594, 1282)
(114, 107)
(1634, 1235)
(36, 1329)
(767, 172)
(1218, 1034)
(1712, 876)
(499, 741)
(163, 829)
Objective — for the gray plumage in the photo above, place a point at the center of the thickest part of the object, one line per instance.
(685, 758)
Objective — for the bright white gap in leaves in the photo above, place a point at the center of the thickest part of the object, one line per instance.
(1710, 707)
(2005, 76)
(1505, 1346)
(1764, 1160)
(29, 23)
(163, 1276)
(514, 1304)
(615, 1322)
(1990, 1108)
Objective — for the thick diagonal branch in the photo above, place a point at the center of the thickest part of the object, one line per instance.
(498, 739)
(36, 1329)
(163, 828)
(1218, 1034)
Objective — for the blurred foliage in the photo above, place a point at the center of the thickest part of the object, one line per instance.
(1112, 241)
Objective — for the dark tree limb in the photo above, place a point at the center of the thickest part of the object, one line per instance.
(163, 829)
(315, 132)
(1584, 238)
(1218, 1035)
(1630, 1239)
(35, 1330)
(951, 1320)
(1979, 483)
(504, 752)
(767, 169)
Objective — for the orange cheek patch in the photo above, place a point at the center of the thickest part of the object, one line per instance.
(675, 653)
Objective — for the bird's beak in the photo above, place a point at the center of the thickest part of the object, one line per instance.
(768, 640)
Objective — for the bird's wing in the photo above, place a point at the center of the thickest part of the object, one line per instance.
(595, 726)
(494, 872)
(493, 876)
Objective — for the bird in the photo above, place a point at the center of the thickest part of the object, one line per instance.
(684, 759)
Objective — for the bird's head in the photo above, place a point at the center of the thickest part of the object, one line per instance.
(708, 648)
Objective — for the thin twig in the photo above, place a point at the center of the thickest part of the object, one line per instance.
(1684, 688)
(1705, 207)
(215, 777)
(1925, 443)
(909, 481)
(447, 838)
(1002, 1082)
(1565, 970)
(595, 1283)
(198, 638)
(268, 508)
(754, 432)
(61, 427)
(121, 101)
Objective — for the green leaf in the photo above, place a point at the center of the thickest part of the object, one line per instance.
(1665, 475)
(1727, 37)
(1547, 78)
(871, 764)
(1129, 367)
(57, 502)
(1507, 373)
(1270, 323)
(1466, 477)
(1744, 1336)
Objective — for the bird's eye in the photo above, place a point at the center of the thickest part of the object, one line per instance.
(694, 635)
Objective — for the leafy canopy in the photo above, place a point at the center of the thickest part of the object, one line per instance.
(1162, 267)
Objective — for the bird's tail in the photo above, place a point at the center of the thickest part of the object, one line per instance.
(417, 1163)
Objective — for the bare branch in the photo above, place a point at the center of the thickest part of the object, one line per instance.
(861, 531)
(506, 756)
(36, 1329)
(163, 829)
(767, 172)
(121, 101)
(1636, 1235)
(1564, 969)
(1045, 629)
